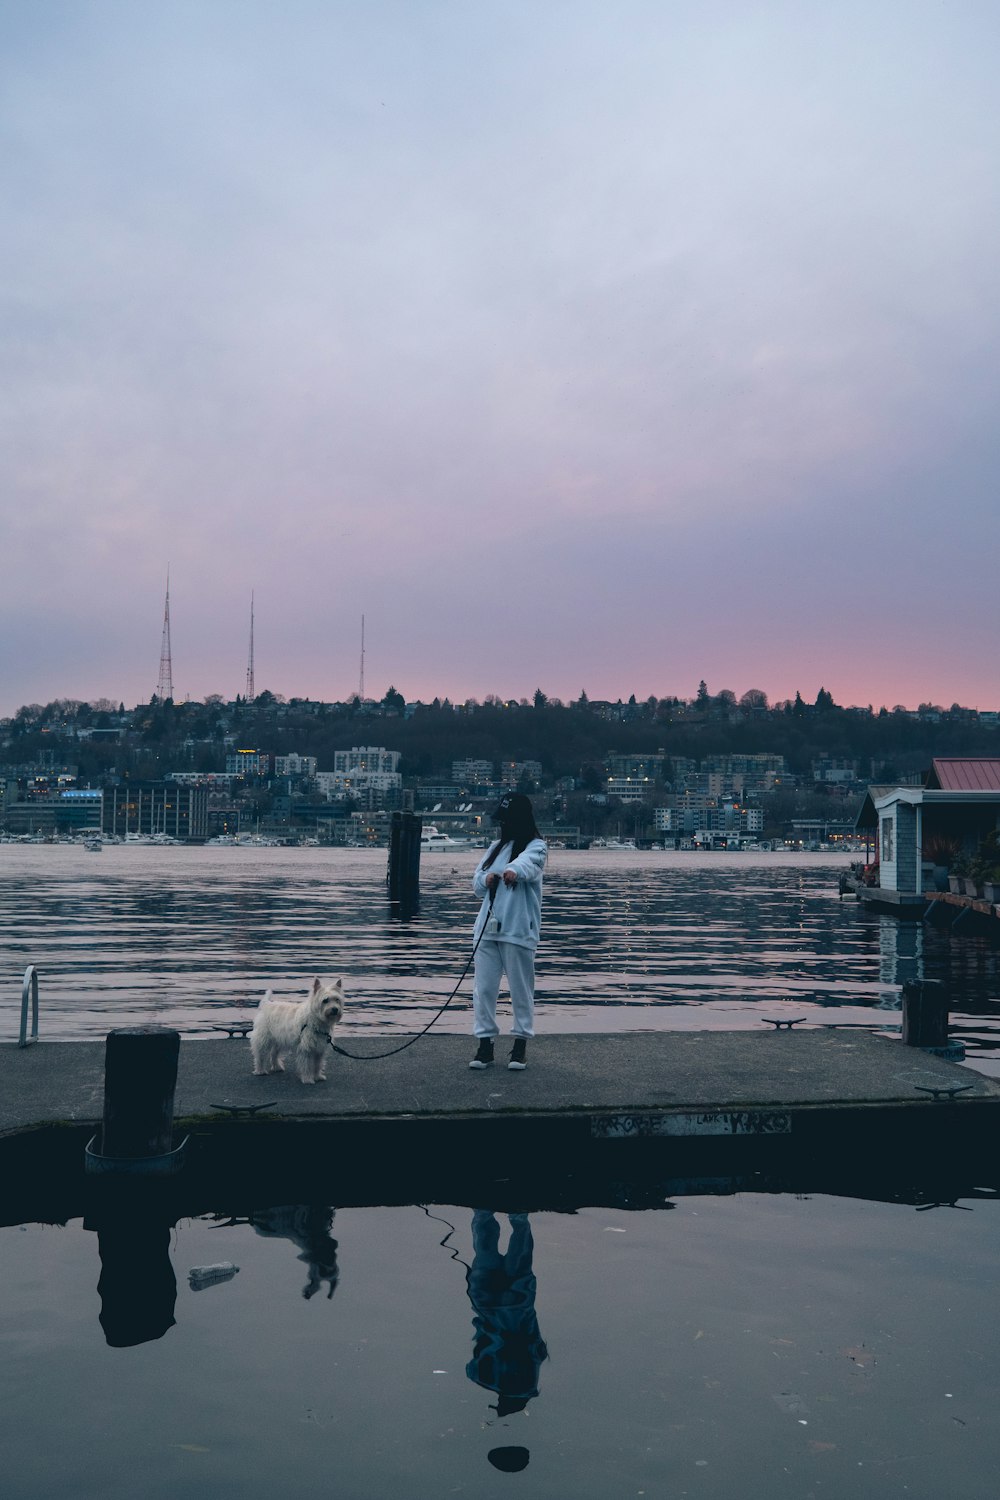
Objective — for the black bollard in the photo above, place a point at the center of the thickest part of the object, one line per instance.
(404, 859)
(414, 828)
(925, 1013)
(395, 839)
(140, 1075)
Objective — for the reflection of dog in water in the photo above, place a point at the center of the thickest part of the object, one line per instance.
(297, 1029)
(309, 1228)
(509, 1349)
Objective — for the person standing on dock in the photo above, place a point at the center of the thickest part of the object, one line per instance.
(509, 881)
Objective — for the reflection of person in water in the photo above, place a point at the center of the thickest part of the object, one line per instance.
(309, 1228)
(508, 1349)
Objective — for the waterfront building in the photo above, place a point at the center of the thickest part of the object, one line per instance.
(955, 809)
(148, 808)
(725, 818)
(52, 812)
(815, 831)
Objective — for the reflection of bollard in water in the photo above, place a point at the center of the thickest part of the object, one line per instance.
(140, 1075)
(137, 1285)
(925, 1013)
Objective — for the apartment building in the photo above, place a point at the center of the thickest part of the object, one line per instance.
(472, 772)
(295, 765)
(367, 760)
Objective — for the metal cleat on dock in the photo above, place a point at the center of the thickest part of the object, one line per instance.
(946, 1091)
(244, 1109)
(770, 1021)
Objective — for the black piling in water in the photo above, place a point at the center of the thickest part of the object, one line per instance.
(925, 1013)
(140, 1076)
(404, 859)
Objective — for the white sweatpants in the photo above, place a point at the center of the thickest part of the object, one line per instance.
(494, 959)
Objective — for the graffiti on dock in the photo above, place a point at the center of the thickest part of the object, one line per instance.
(691, 1123)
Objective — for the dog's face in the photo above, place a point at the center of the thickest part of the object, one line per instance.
(327, 1001)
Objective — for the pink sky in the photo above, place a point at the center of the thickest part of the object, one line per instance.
(575, 347)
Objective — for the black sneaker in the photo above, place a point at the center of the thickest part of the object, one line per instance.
(517, 1059)
(484, 1054)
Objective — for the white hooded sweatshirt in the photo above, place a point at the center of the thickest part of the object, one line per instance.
(518, 908)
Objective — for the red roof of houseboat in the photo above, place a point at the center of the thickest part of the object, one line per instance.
(965, 774)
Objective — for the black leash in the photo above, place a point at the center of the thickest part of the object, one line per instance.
(374, 1056)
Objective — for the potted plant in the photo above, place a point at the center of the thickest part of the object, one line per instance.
(987, 867)
(940, 853)
(959, 877)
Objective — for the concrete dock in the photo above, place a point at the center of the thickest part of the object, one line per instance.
(654, 1075)
(422, 1125)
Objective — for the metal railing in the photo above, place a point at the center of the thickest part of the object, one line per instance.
(29, 990)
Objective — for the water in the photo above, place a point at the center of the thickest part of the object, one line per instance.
(753, 1346)
(189, 937)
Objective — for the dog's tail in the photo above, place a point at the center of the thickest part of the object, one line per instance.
(266, 1000)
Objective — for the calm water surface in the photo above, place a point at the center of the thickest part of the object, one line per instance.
(755, 1347)
(650, 941)
(765, 1347)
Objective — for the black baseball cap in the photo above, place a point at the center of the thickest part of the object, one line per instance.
(512, 805)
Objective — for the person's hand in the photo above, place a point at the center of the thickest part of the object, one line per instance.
(492, 881)
(510, 877)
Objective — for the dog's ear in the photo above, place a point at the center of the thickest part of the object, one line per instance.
(339, 985)
(316, 985)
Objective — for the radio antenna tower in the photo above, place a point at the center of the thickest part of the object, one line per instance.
(165, 686)
(251, 695)
(361, 685)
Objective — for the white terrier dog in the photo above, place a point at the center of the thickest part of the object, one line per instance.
(303, 1029)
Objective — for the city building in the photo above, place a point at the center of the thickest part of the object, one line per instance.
(629, 788)
(835, 771)
(50, 811)
(340, 784)
(636, 767)
(724, 818)
(367, 759)
(514, 771)
(295, 765)
(248, 763)
(148, 808)
(472, 772)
